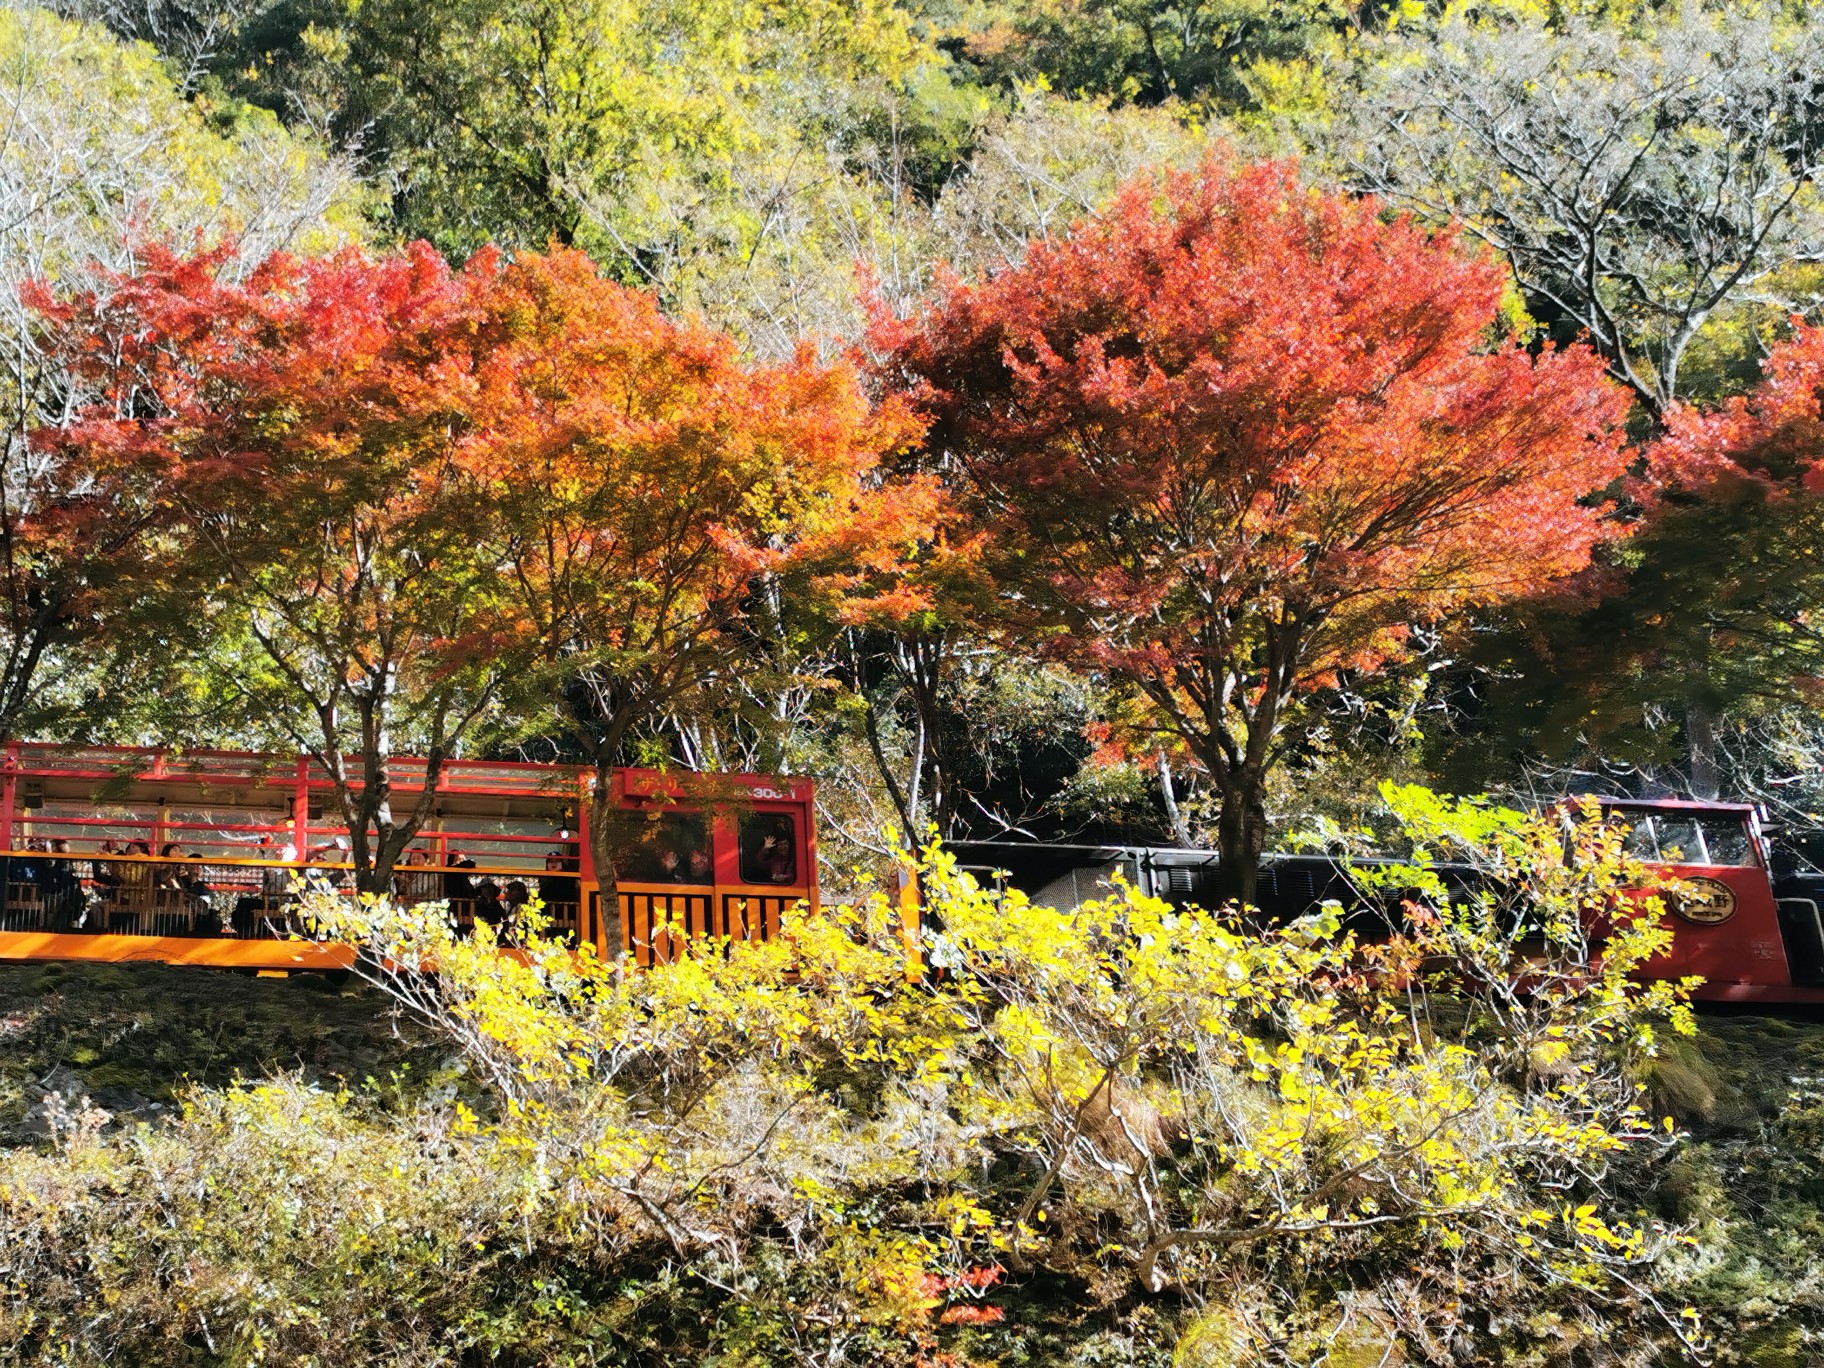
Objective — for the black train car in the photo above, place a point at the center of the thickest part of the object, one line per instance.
(1066, 875)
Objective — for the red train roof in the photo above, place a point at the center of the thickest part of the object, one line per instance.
(1679, 804)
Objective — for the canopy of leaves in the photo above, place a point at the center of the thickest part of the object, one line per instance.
(567, 121)
(665, 499)
(1233, 436)
(1224, 54)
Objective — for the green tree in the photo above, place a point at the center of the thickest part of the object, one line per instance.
(1224, 55)
(1643, 183)
(99, 151)
(571, 120)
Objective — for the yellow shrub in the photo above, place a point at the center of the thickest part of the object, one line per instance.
(792, 1150)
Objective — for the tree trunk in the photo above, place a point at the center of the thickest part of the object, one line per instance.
(1181, 829)
(599, 731)
(377, 841)
(606, 832)
(1241, 836)
(374, 872)
(1700, 747)
(921, 664)
(374, 845)
(376, 879)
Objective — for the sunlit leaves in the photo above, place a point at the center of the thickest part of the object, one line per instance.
(1194, 1099)
(1235, 437)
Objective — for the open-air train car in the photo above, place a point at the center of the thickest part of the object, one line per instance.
(196, 857)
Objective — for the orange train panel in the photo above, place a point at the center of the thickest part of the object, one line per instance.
(216, 954)
(653, 915)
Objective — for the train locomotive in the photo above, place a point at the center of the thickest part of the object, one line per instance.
(1749, 924)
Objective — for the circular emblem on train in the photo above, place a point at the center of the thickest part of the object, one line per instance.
(1706, 901)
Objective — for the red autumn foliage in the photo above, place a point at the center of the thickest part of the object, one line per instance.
(419, 487)
(254, 381)
(963, 1291)
(1232, 437)
(77, 536)
(1770, 441)
(305, 423)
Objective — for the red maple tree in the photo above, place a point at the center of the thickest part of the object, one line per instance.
(1728, 595)
(1234, 436)
(304, 426)
(676, 514)
(1771, 439)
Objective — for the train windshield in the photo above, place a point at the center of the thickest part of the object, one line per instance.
(1691, 838)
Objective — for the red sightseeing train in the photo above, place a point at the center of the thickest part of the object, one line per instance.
(1748, 918)
(196, 857)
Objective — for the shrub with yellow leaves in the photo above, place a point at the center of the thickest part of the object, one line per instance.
(1260, 1140)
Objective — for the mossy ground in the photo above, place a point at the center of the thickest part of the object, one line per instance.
(1750, 1090)
(133, 1036)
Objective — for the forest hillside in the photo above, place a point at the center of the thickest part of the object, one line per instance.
(1236, 426)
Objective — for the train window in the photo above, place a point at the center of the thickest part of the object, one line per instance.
(1680, 840)
(669, 847)
(769, 848)
(1692, 839)
(1641, 844)
(1726, 840)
